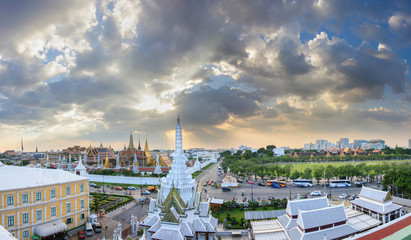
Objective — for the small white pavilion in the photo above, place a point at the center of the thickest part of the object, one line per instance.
(377, 204)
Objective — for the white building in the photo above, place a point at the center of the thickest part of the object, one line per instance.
(278, 151)
(177, 213)
(377, 204)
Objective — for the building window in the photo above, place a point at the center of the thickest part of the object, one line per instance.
(38, 196)
(53, 211)
(82, 216)
(68, 207)
(25, 218)
(38, 215)
(52, 193)
(81, 203)
(10, 200)
(10, 221)
(69, 220)
(26, 233)
(67, 190)
(25, 198)
(82, 187)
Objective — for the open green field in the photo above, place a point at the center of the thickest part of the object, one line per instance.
(301, 166)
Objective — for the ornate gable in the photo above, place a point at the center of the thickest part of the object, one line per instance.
(174, 200)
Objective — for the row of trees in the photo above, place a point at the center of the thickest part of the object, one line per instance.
(267, 157)
(398, 175)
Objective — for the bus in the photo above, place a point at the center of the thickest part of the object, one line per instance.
(340, 183)
(279, 183)
(302, 182)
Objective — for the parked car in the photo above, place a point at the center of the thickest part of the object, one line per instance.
(145, 192)
(205, 184)
(343, 196)
(131, 188)
(92, 184)
(352, 197)
(250, 182)
(118, 188)
(239, 180)
(261, 184)
(81, 235)
(275, 186)
(226, 189)
(316, 193)
(97, 227)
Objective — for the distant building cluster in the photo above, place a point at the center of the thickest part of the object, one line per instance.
(343, 143)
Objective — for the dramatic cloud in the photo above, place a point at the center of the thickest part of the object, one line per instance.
(237, 72)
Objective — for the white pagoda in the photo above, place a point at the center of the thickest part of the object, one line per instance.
(177, 213)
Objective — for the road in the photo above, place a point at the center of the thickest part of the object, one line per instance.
(264, 192)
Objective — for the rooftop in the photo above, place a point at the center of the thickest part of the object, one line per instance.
(13, 177)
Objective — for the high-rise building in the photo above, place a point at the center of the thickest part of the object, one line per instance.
(322, 144)
(344, 142)
(358, 143)
(409, 143)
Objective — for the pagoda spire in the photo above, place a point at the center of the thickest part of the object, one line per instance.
(139, 146)
(101, 144)
(131, 143)
(107, 163)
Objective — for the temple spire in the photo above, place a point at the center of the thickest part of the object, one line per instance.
(101, 144)
(139, 146)
(131, 143)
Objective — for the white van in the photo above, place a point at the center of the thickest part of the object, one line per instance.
(89, 230)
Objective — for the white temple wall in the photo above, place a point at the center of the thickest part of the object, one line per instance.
(123, 179)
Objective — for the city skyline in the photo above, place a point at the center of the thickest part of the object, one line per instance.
(237, 73)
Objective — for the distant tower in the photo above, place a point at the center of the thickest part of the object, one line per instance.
(101, 144)
(22, 148)
(37, 150)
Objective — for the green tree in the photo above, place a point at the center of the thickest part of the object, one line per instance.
(307, 173)
(318, 173)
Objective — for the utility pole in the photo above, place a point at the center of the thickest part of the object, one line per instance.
(324, 183)
(103, 185)
(290, 191)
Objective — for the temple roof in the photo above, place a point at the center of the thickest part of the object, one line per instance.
(174, 200)
(376, 195)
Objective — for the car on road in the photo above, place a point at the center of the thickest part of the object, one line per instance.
(205, 184)
(81, 235)
(226, 189)
(343, 196)
(131, 188)
(261, 184)
(275, 186)
(118, 188)
(93, 185)
(239, 180)
(250, 182)
(302, 185)
(352, 197)
(316, 193)
(212, 184)
(145, 192)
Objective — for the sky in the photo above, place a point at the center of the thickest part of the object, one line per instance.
(237, 72)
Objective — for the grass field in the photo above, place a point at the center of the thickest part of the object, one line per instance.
(301, 166)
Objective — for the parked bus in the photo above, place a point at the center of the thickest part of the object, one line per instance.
(279, 183)
(302, 182)
(340, 183)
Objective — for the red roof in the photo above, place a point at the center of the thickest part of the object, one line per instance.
(387, 229)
